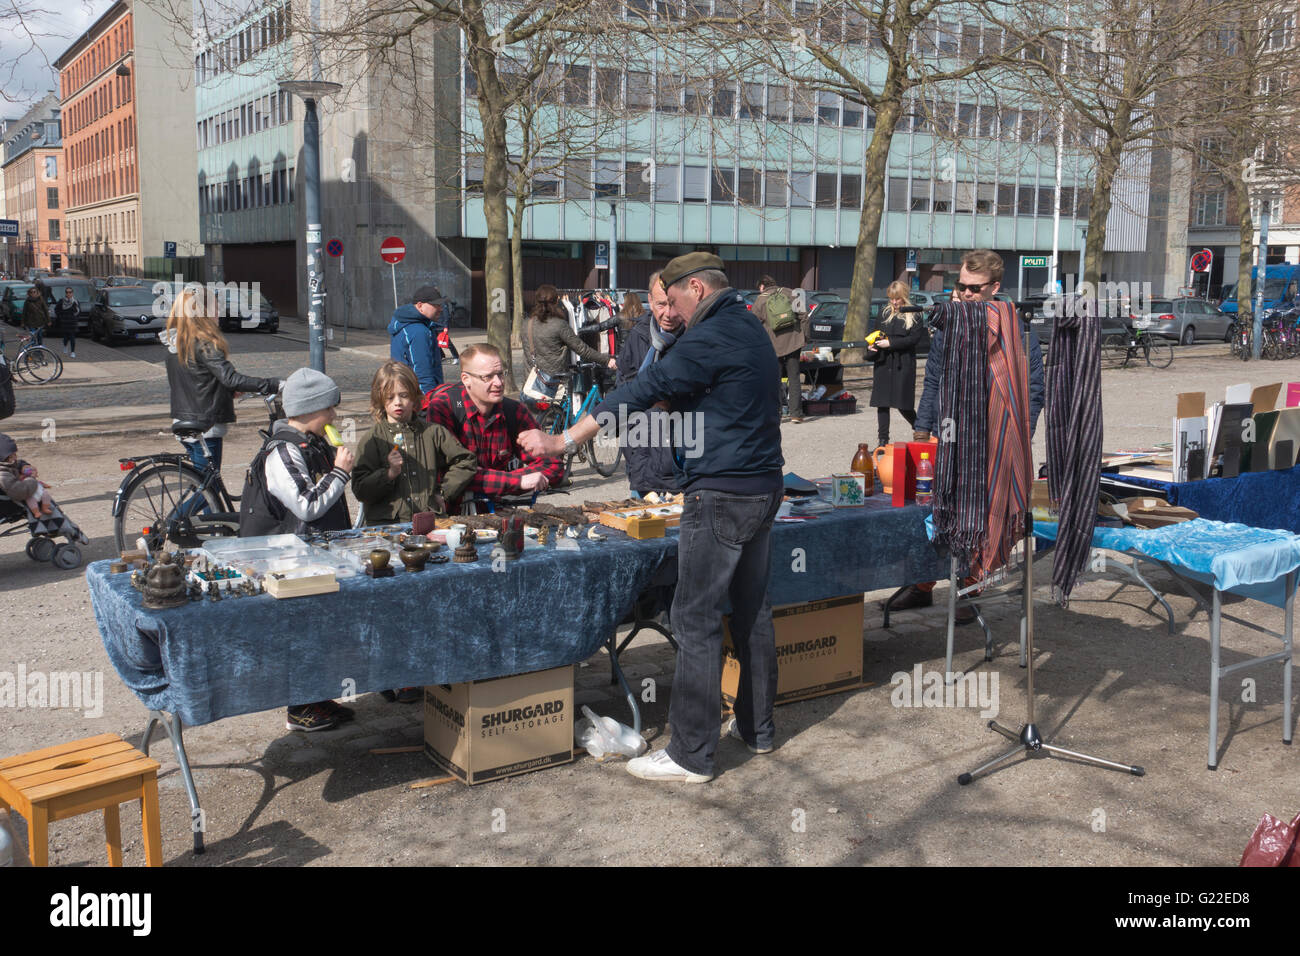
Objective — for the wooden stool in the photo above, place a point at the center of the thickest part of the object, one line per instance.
(97, 773)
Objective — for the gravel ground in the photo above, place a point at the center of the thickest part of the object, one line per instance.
(855, 779)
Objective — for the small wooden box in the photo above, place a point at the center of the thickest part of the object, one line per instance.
(279, 586)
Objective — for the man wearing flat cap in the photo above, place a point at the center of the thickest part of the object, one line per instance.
(721, 374)
(414, 329)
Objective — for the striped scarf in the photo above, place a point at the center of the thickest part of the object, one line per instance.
(1074, 443)
(982, 472)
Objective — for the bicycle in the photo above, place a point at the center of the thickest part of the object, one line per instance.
(603, 452)
(1124, 348)
(34, 364)
(1239, 338)
(165, 498)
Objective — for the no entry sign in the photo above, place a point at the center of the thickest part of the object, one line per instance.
(393, 250)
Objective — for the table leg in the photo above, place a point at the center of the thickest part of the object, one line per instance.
(149, 821)
(618, 673)
(1214, 681)
(172, 725)
(113, 835)
(952, 617)
(38, 836)
(1288, 646)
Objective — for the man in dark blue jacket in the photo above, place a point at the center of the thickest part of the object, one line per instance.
(721, 378)
(414, 329)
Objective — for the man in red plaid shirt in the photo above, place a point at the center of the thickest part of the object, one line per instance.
(487, 423)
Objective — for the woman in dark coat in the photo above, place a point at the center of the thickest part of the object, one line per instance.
(548, 337)
(893, 382)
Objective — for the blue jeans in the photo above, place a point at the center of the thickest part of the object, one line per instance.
(38, 336)
(200, 461)
(722, 558)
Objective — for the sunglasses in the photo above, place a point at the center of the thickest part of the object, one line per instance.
(971, 286)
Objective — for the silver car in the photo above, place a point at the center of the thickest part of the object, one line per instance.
(1186, 320)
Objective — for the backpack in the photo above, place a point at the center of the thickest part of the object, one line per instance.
(7, 402)
(780, 311)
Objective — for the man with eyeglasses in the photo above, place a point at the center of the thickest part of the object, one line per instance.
(979, 280)
(478, 413)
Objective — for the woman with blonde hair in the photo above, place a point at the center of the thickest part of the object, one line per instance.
(893, 383)
(200, 378)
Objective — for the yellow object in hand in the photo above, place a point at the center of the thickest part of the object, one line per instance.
(871, 339)
(333, 437)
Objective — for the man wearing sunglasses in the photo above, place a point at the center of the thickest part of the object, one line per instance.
(979, 280)
(478, 413)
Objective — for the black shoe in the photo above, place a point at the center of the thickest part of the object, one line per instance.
(409, 695)
(910, 597)
(964, 615)
(310, 718)
(389, 695)
(338, 711)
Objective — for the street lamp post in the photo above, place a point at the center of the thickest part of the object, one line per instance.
(310, 91)
(1261, 270)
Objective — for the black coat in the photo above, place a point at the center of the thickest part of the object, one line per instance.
(648, 469)
(893, 383)
(68, 315)
(204, 391)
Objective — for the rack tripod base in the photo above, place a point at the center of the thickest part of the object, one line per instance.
(1029, 741)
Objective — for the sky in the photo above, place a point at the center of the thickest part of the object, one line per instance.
(34, 34)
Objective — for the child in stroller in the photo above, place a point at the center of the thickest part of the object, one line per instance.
(23, 498)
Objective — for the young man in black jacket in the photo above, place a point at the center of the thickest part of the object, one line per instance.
(722, 377)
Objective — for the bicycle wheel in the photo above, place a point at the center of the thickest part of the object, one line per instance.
(604, 453)
(1158, 354)
(1114, 350)
(38, 365)
(150, 501)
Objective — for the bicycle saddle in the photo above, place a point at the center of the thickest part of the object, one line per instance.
(188, 429)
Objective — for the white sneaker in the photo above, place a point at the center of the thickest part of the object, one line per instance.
(660, 766)
(73, 355)
(733, 730)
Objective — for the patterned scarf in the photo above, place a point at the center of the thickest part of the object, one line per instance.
(1074, 443)
(982, 475)
(660, 342)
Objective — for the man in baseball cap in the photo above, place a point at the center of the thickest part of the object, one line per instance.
(414, 330)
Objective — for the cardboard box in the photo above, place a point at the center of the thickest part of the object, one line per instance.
(488, 729)
(818, 649)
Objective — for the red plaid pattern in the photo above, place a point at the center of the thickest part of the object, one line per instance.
(492, 440)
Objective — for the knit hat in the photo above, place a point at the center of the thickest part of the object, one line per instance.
(307, 391)
(687, 265)
(7, 446)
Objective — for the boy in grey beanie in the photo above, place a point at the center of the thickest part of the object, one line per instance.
(296, 484)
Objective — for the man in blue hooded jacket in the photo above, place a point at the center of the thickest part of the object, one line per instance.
(415, 329)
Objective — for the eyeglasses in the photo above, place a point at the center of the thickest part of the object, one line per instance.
(971, 286)
(489, 377)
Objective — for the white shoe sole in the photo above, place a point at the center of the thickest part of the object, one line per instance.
(638, 769)
(733, 732)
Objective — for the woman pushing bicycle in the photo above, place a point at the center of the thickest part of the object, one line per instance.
(200, 377)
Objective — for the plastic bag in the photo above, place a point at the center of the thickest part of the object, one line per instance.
(605, 736)
(1273, 843)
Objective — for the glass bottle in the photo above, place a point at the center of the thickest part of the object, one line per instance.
(862, 465)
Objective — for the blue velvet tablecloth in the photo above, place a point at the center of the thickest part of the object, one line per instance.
(1261, 499)
(450, 623)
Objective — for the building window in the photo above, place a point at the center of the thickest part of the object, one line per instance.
(826, 189)
(920, 201)
(609, 175)
(639, 174)
(577, 85)
(723, 189)
(54, 229)
(665, 182)
(749, 187)
(850, 191)
(1026, 200)
(724, 100)
(639, 90)
(51, 197)
(1210, 208)
(51, 168)
(474, 173)
(897, 199)
(828, 108)
(801, 189)
(695, 183)
(774, 188)
(852, 114)
(751, 101)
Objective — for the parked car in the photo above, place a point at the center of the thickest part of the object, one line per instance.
(827, 324)
(1115, 316)
(1185, 320)
(255, 311)
(125, 280)
(83, 290)
(13, 293)
(125, 314)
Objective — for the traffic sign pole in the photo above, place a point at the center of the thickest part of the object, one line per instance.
(392, 250)
(395, 306)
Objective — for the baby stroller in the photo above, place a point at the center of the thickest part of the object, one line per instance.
(16, 519)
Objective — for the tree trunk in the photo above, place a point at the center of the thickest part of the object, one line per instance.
(873, 207)
(1246, 245)
(1108, 163)
(517, 271)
